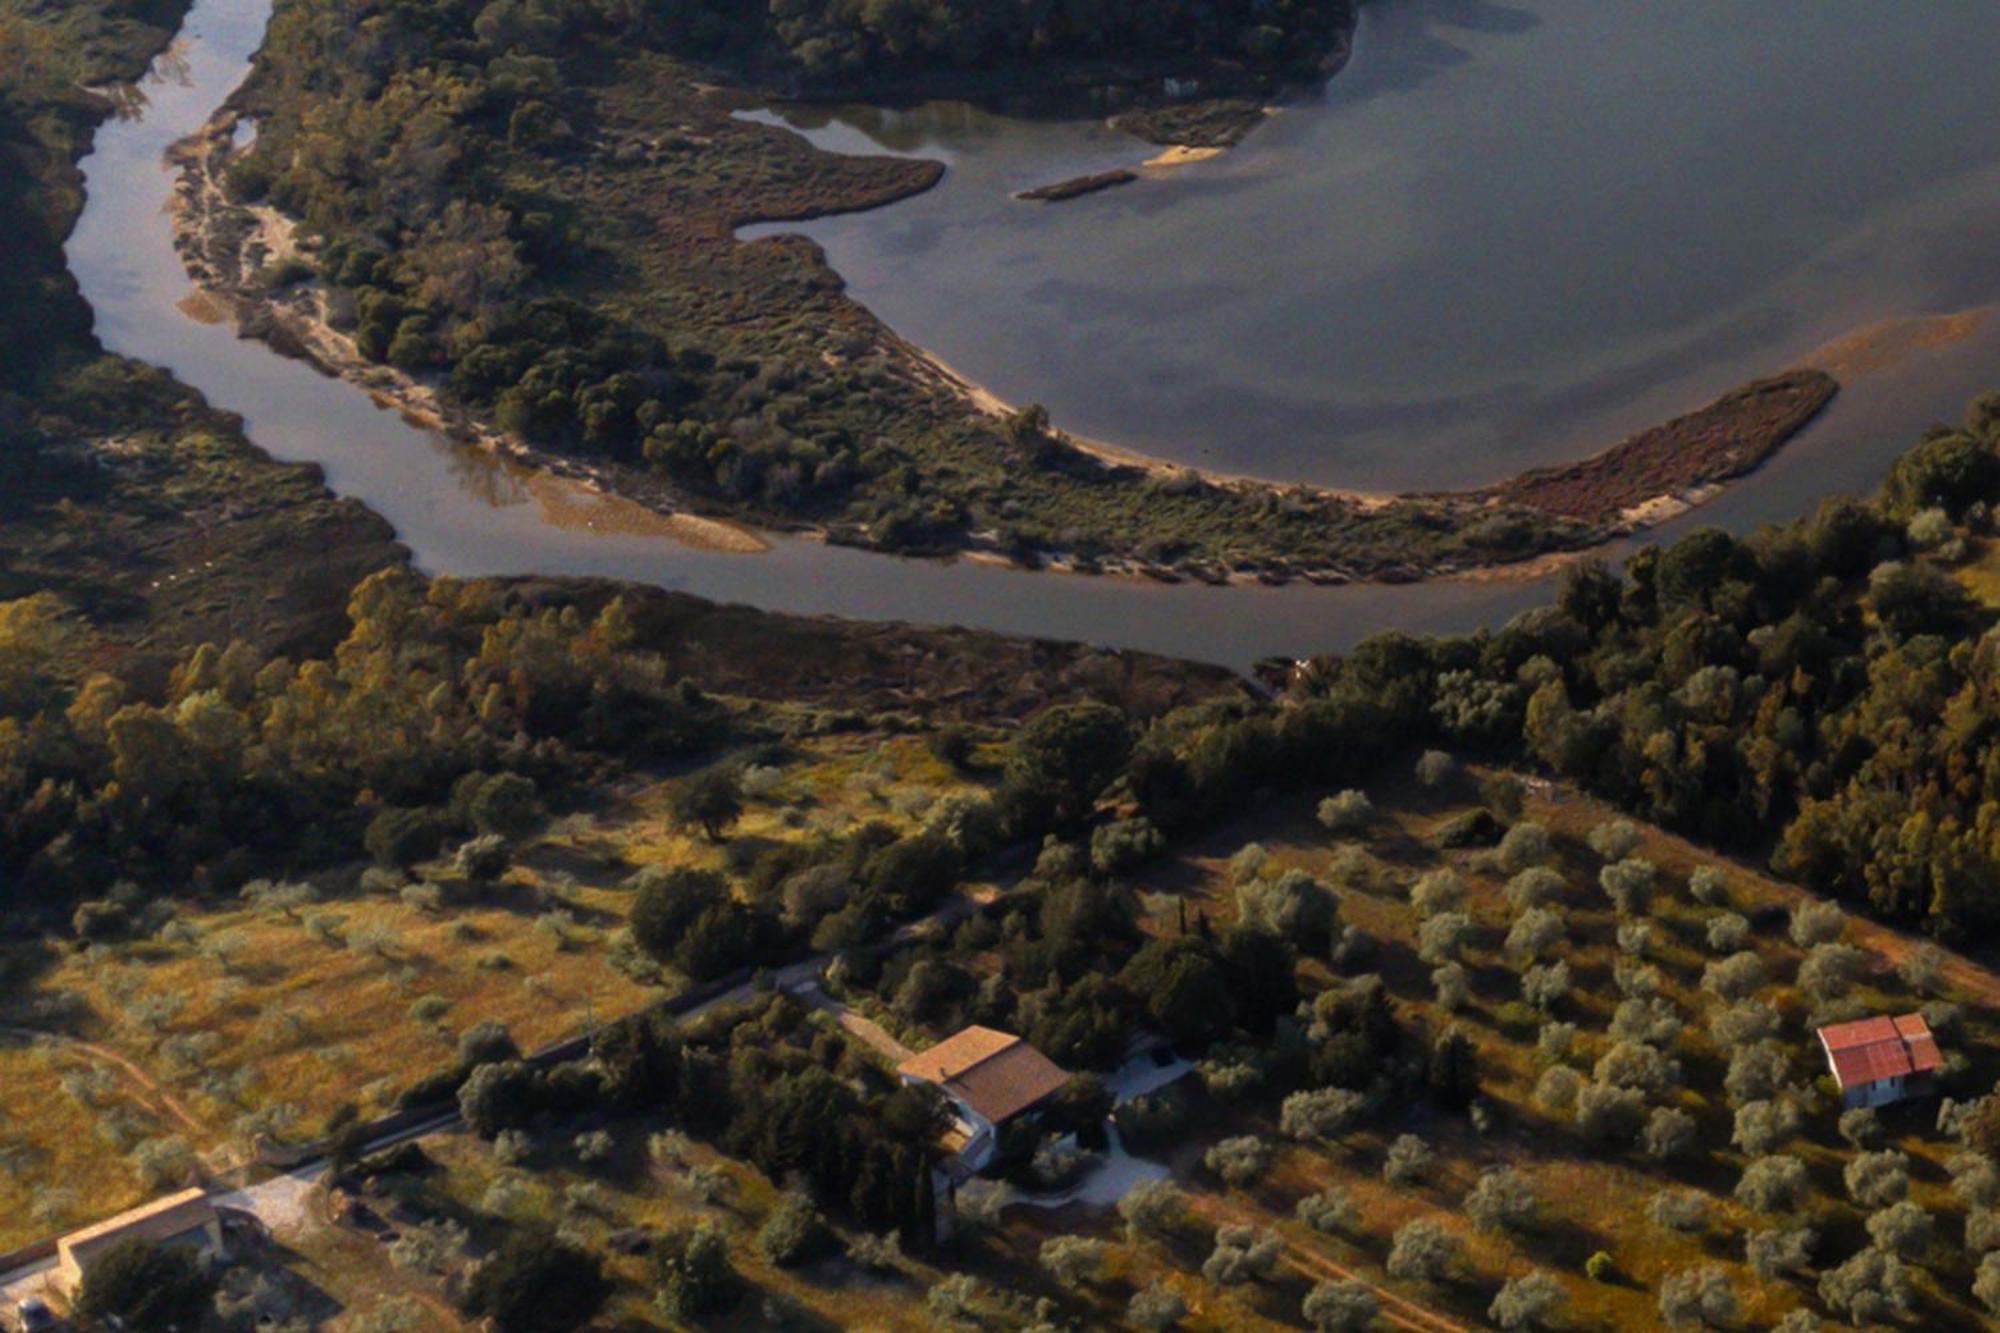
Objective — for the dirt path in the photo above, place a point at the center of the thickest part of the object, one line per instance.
(1396, 1311)
(862, 1029)
(154, 1097)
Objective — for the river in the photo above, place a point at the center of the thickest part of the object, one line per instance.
(463, 514)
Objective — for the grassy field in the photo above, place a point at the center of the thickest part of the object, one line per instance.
(1591, 1199)
(263, 1020)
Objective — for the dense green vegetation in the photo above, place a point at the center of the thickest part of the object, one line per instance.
(847, 45)
(538, 216)
(1821, 691)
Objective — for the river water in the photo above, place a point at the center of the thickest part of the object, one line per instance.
(1897, 227)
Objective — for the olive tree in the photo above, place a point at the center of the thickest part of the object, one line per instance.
(1071, 1260)
(1329, 1212)
(1872, 1287)
(1761, 1126)
(1422, 1251)
(1678, 1210)
(1532, 1300)
(1409, 1162)
(1773, 1184)
(1669, 1132)
(1775, 1251)
(1340, 1306)
(1698, 1298)
(1874, 1179)
(1502, 1200)
(1903, 1229)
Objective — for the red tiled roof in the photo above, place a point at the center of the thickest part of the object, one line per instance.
(995, 1073)
(1871, 1049)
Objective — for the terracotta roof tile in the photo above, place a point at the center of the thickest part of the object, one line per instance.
(1871, 1049)
(995, 1073)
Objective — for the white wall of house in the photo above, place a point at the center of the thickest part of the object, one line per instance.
(1879, 1093)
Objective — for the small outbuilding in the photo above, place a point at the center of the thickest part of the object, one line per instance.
(1880, 1060)
(187, 1218)
(991, 1078)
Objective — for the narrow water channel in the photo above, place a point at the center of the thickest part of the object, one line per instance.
(463, 514)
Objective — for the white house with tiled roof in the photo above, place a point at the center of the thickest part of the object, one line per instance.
(990, 1079)
(1880, 1060)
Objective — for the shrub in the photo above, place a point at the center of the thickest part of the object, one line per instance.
(1727, 933)
(1152, 1208)
(1537, 886)
(594, 1146)
(1545, 986)
(1922, 970)
(1294, 906)
(1558, 1088)
(1421, 1251)
(1156, 1307)
(1902, 1228)
(1532, 1300)
(433, 1248)
(1874, 1179)
(1323, 1113)
(1615, 840)
(1763, 1125)
(1340, 1306)
(483, 859)
(1707, 886)
(1435, 768)
(1329, 1212)
(1450, 986)
(1982, 1231)
(1535, 934)
(1526, 845)
(1071, 1260)
(711, 801)
(1124, 845)
(1817, 923)
(1986, 1282)
(1600, 1267)
(1554, 1041)
(1744, 1024)
(1242, 1254)
(399, 838)
(1974, 1181)
(1438, 891)
(1349, 811)
(1780, 1250)
(1635, 938)
(1502, 1200)
(1872, 1287)
(1678, 1210)
(1409, 1161)
(1669, 1132)
(1629, 885)
(1773, 1184)
(1698, 1298)
(1239, 1161)
(1442, 938)
(1757, 1072)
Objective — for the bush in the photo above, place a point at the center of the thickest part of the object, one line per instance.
(1678, 1210)
(399, 838)
(1152, 1208)
(1707, 886)
(1600, 1267)
(1903, 1229)
(1435, 768)
(1502, 1200)
(711, 801)
(1322, 1113)
(1779, 1250)
(1615, 840)
(1329, 1212)
(1422, 1251)
(1546, 986)
(1340, 1306)
(1872, 1287)
(1698, 1298)
(1537, 886)
(1242, 1254)
(1294, 906)
(1535, 934)
(1438, 891)
(1986, 1282)
(1727, 933)
(1410, 1161)
(537, 1283)
(1629, 885)
(1072, 1260)
(1124, 845)
(483, 859)
(1817, 923)
(1773, 1184)
(1239, 1161)
(1762, 1126)
(1874, 1179)
(1348, 812)
(1525, 846)
(1156, 1307)
(1669, 1132)
(1531, 1300)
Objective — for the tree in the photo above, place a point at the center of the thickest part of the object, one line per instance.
(1678, 1210)
(1903, 1229)
(1152, 1208)
(1532, 1300)
(1065, 757)
(1874, 1179)
(1072, 1260)
(1453, 1073)
(1435, 768)
(1340, 1306)
(1736, 977)
(1669, 1132)
(1502, 1200)
(1438, 891)
(1442, 938)
(1698, 1298)
(1629, 885)
(147, 1288)
(1321, 1113)
(795, 1233)
(1537, 886)
(1409, 1161)
(1156, 1307)
(1329, 1212)
(1294, 906)
(1349, 811)
(711, 800)
(1525, 845)
(1240, 1161)
(1986, 1282)
(1422, 1251)
(1242, 1254)
(497, 1096)
(1615, 839)
(1773, 1184)
(1860, 1127)
(692, 1275)
(1872, 1287)
(1535, 934)
(537, 1283)
(1779, 1250)
(1761, 1126)
(1816, 923)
